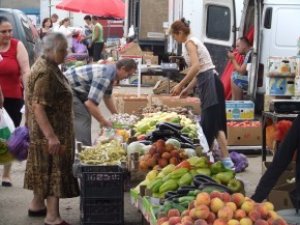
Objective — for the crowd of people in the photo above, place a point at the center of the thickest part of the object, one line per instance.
(53, 97)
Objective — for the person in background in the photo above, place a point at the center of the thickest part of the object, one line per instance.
(92, 83)
(210, 89)
(88, 31)
(46, 27)
(65, 29)
(97, 39)
(55, 23)
(77, 45)
(239, 80)
(14, 70)
(49, 118)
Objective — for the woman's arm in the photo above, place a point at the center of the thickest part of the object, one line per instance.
(193, 70)
(46, 128)
(23, 61)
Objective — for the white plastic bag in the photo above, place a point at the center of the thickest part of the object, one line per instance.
(6, 125)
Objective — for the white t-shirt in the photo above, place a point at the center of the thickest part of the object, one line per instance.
(203, 55)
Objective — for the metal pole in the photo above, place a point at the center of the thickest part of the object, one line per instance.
(49, 8)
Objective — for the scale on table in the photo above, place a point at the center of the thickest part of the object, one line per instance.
(285, 106)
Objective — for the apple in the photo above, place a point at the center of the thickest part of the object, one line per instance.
(269, 206)
(200, 212)
(232, 205)
(225, 213)
(226, 197)
(186, 219)
(246, 221)
(273, 215)
(173, 213)
(240, 214)
(219, 222)
(215, 194)
(233, 222)
(200, 222)
(216, 204)
(261, 222)
(174, 220)
(247, 206)
(254, 215)
(238, 199)
(211, 218)
(202, 198)
(161, 220)
(279, 221)
(263, 210)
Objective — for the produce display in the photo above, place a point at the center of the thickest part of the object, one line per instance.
(246, 123)
(161, 154)
(217, 208)
(111, 153)
(164, 108)
(123, 121)
(149, 122)
(192, 174)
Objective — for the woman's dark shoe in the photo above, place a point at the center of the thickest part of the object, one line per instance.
(62, 223)
(6, 184)
(38, 213)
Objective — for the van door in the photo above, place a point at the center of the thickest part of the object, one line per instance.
(251, 19)
(219, 29)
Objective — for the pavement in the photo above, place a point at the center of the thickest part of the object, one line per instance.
(14, 200)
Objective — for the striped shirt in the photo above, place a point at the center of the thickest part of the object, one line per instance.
(91, 81)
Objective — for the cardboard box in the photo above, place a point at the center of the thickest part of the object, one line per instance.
(281, 86)
(132, 49)
(150, 80)
(239, 110)
(150, 59)
(280, 196)
(244, 136)
(288, 174)
(130, 103)
(190, 102)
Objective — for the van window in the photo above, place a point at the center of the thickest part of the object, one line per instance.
(218, 22)
(285, 18)
(268, 18)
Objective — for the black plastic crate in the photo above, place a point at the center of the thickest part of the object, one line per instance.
(101, 211)
(102, 182)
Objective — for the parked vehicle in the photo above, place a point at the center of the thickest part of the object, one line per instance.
(23, 30)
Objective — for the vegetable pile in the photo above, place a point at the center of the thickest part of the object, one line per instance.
(123, 121)
(149, 122)
(111, 153)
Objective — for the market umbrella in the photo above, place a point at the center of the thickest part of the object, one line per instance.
(107, 9)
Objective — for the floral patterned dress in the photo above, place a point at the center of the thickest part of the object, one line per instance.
(50, 175)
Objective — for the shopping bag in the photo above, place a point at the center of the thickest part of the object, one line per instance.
(6, 125)
(18, 143)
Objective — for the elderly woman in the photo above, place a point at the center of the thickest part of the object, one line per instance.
(49, 118)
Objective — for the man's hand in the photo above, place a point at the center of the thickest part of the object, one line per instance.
(106, 123)
(230, 55)
(176, 90)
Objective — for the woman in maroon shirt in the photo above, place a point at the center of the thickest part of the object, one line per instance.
(14, 68)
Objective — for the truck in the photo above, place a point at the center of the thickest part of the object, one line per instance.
(218, 23)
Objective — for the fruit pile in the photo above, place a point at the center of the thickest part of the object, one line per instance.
(161, 154)
(191, 174)
(222, 209)
(246, 123)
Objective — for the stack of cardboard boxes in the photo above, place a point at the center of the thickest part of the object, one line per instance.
(242, 130)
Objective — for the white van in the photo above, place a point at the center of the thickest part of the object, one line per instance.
(215, 22)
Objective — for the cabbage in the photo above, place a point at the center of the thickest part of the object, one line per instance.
(190, 152)
(174, 142)
(135, 147)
